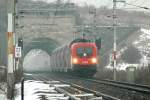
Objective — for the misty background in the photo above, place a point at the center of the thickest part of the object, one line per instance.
(126, 16)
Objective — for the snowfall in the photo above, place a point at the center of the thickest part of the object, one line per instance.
(39, 60)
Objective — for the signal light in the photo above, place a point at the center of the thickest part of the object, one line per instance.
(20, 43)
(98, 43)
(94, 60)
(75, 60)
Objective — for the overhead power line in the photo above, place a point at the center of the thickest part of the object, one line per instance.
(143, 7)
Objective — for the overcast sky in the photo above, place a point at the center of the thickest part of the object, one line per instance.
(98, 3)
(105, 2)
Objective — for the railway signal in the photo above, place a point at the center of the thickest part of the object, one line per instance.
(20, 43)
(98, 43)
(18, 52)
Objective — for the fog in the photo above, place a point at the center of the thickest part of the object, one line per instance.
(36, 60)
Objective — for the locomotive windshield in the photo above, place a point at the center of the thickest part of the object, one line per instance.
(84, 51)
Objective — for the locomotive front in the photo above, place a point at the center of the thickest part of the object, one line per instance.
(84, 58)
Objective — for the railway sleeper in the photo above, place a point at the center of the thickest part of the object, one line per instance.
(77, 95)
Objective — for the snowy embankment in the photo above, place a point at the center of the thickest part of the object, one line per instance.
(142, 43)
(3, 89)
(40, 90)
(33, 90)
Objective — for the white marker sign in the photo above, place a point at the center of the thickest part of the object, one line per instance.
(18, 52)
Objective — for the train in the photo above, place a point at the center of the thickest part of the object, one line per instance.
(80, 57)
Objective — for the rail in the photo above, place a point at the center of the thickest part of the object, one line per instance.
(133, 87)
(68, 90)
(130, 86)
(96, 93)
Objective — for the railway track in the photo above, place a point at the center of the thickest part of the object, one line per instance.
(69, 91)
(133, 87)
(122, 90)
(140, 92)
(97, 94)
(107, 89)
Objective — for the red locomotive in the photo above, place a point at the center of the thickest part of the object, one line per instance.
(80, 57)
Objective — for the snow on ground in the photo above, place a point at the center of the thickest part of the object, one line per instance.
(123, 66)
(146, 31)
(31, 90)
(39, 90)
(142, 43)
(3, 91)
(37, 60)
(3, 96)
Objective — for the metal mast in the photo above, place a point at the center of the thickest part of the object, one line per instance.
(115, 38)
(10, 37)
(114, 45)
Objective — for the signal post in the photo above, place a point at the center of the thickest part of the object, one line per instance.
(115, 39)
(10, 48)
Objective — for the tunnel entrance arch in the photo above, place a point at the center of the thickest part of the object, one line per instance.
(36, 60)
(45, 44)
(38, 50)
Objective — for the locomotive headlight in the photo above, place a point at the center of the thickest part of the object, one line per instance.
(94, 60)
(75, 60)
